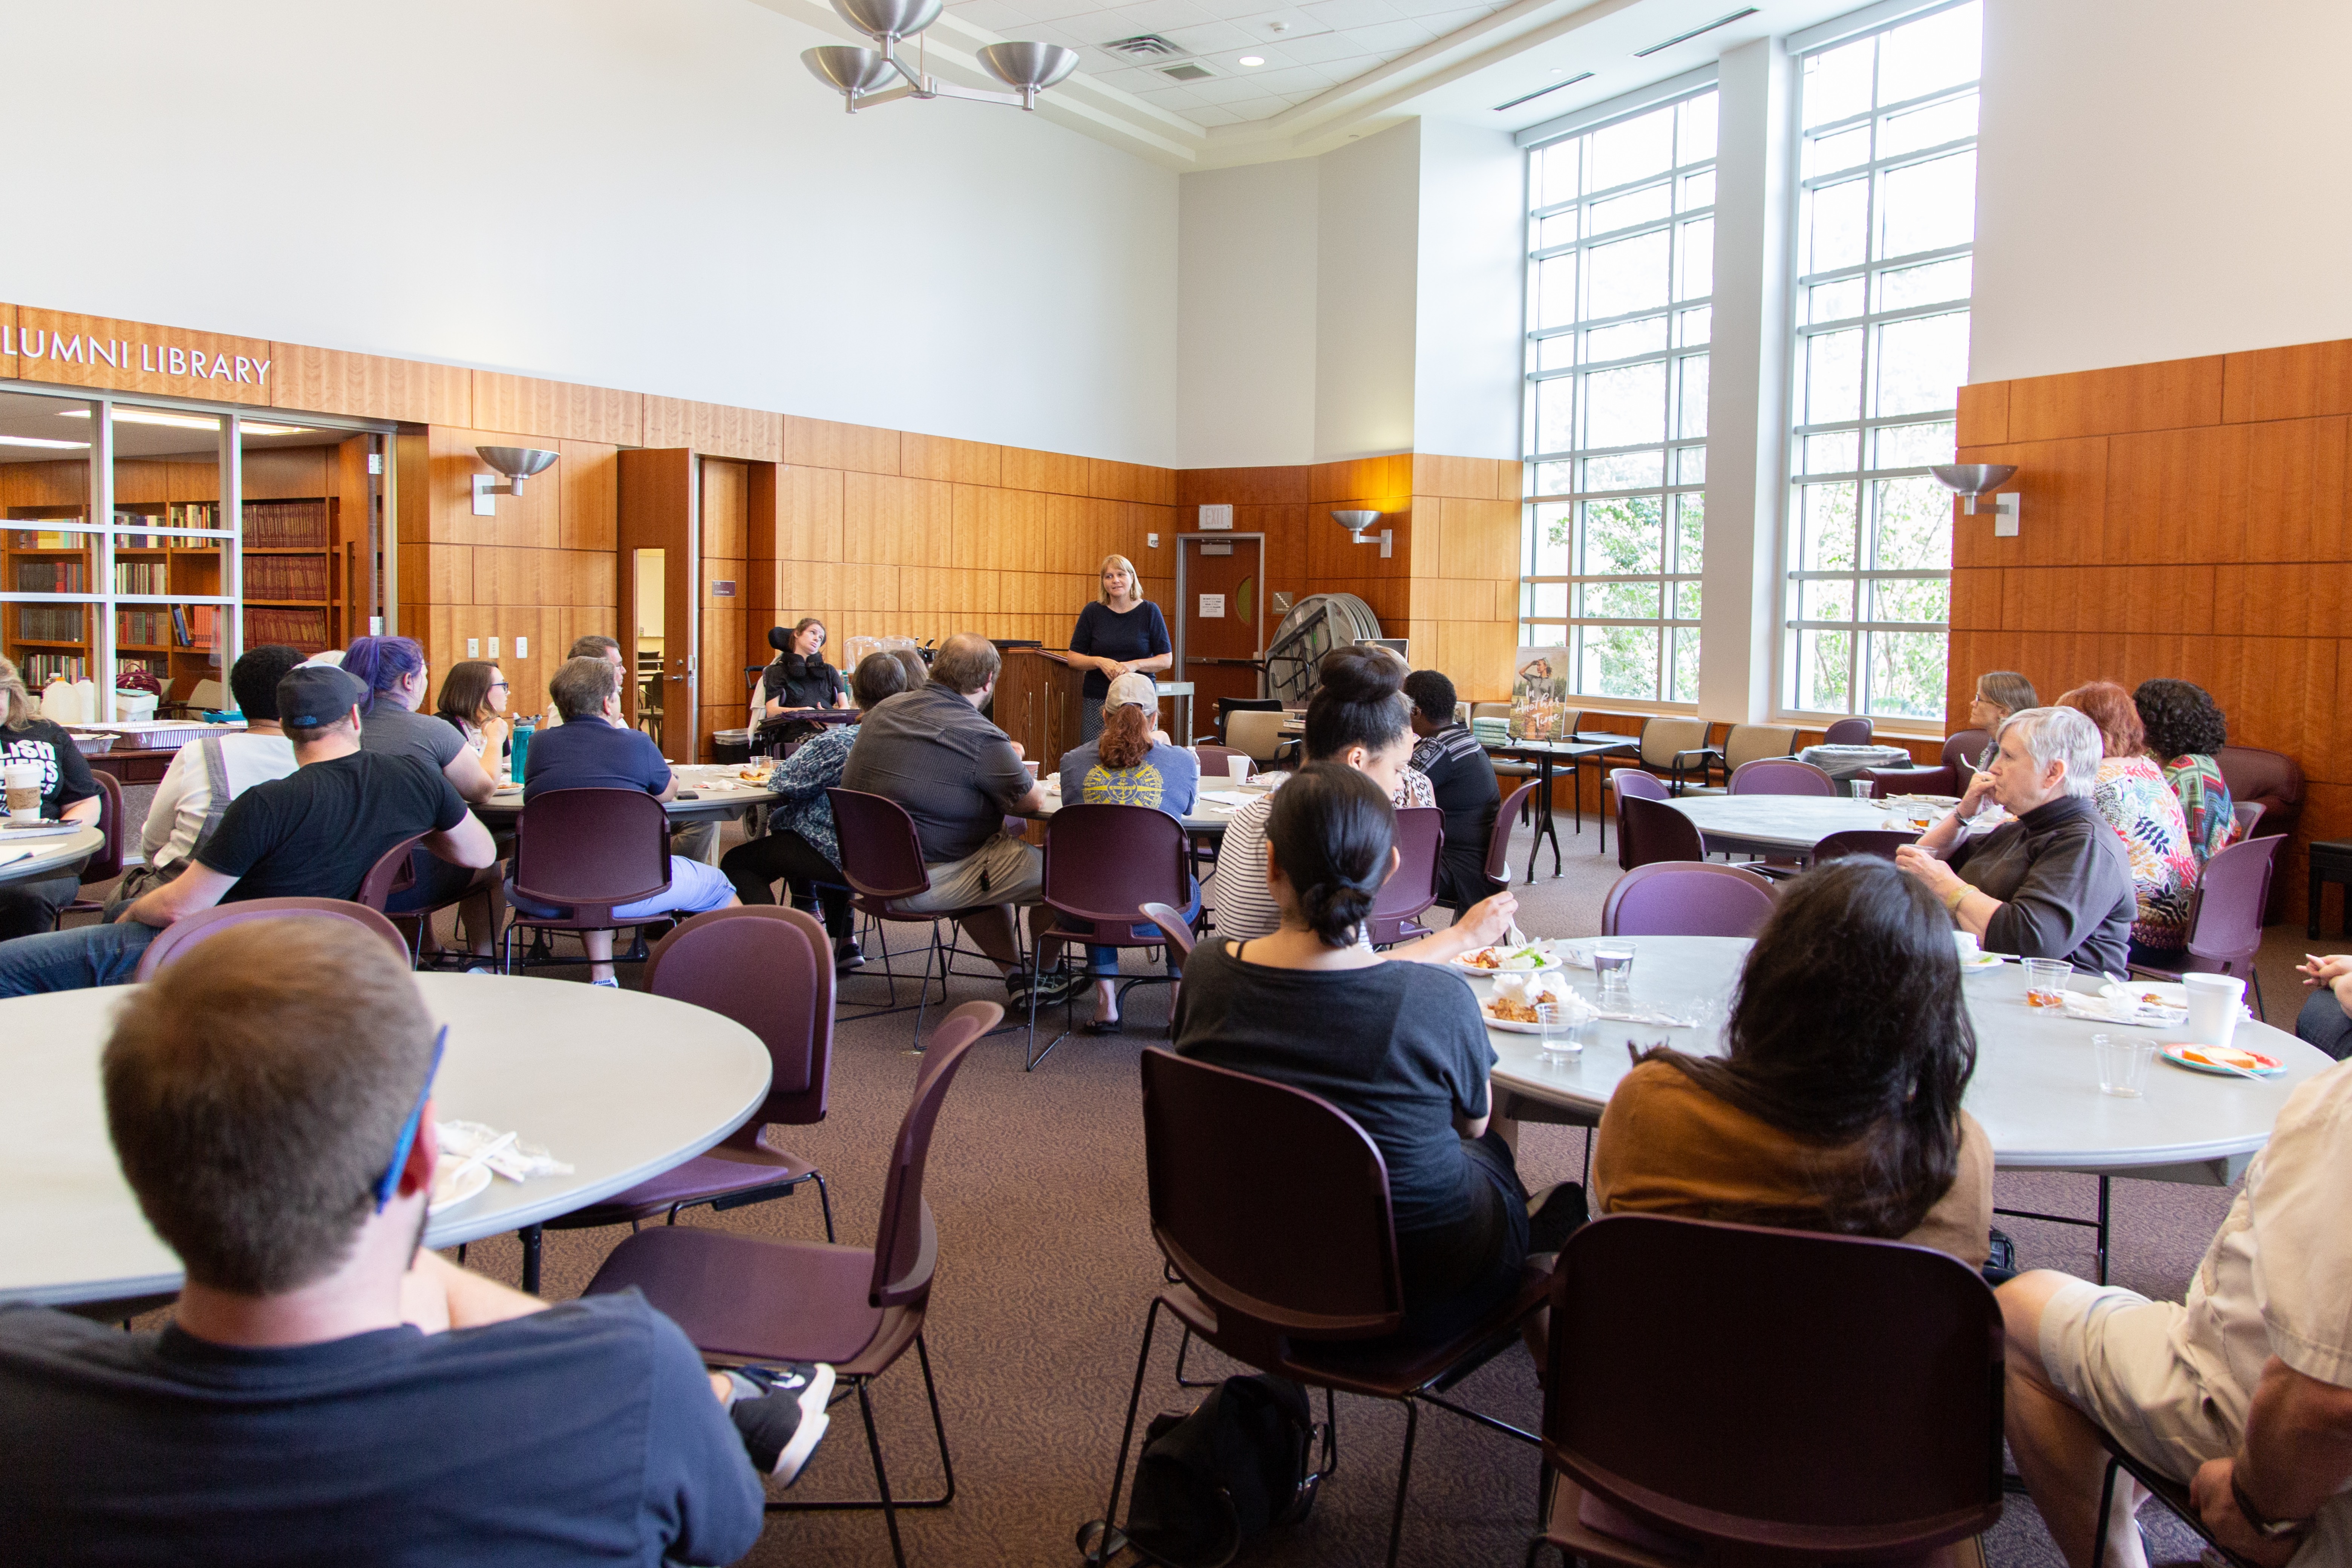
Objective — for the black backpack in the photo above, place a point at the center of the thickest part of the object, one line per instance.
(1210, 1481)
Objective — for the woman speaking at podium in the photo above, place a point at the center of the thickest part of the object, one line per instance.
(1116, 634)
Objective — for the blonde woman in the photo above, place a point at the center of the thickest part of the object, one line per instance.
(1119, 634)
(68, 794)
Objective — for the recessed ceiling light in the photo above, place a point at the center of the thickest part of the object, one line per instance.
(43, 442)
(1531, 97)
(1695, 31)
(187, 421)
(1253, 59)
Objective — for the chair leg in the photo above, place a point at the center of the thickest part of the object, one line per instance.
(881, 1474)
(1110, 1543)
(824, 1202)
(2106, 1501)
(1404, 1479)
(529, 1235)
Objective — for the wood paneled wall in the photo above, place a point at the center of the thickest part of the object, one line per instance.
(2184, 519)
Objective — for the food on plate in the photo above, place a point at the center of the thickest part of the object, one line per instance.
(1500, 959)
(2228, 1056)
(1509, 1012)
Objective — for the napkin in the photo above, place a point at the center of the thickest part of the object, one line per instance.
(1656, 1018)
(518, 1162)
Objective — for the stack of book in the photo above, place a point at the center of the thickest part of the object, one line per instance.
(286, 577)
(305, 629)
(142, 577)
(1493, 731)
(49, 577)
(49, 623)
(286, 524)
(143, 629)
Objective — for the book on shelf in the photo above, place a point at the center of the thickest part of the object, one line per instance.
(192, 514)
(49, 623)
(48, 538)
(305, 629)
(39, 669)
(286, 524)
(142, 577)
(146, 628)
(155, 665)
(286, 577)
(131, 531)
(50, 577)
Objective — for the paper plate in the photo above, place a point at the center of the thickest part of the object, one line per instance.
(2181, 1053)
(1513, 1027)
(1549, 961)
(470, 1185)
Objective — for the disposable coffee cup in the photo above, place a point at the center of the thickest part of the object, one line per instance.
(23, 784)
(2213, 1007)
(1238, 769)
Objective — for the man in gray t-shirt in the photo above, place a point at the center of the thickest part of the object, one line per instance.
(959, 776)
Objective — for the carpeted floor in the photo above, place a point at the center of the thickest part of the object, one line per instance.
(1046, 1265)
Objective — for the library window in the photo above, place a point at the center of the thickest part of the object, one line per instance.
(157, 541)
(1885, 228)
(1620, 237)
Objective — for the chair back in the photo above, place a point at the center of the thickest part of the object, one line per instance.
(1694, 898)
(1882, 842)
(1258, 731)
(881, 854)
(1634, 782)
(1854, 731)
(1229, 706)
(1216, 763)
(2225, 921)
(770, 969)
(394, 871)
(2270, 779)
(1663, 739)
(1781, 775)
(906, 1245)
(1961, 750)
(1851, 1408)
(1102, 862)
(2247, 812)
(1499, 838)
(1272, 1203)
(107, 864)
(1412, 886)
(1172, 921)
(1651, 830)
(590, 850)
(174, 940)
(1750, 742)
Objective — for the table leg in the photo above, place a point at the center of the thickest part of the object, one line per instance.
(1543, 807)
(2311, 913)
(2103, 1186)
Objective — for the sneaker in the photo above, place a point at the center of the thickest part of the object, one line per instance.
(778, 1411)
(1050, 989)
(612, 982)
(846, 955)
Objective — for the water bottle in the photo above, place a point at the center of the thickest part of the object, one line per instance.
(520, 748)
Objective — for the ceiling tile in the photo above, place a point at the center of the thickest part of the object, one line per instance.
(1263, 108)
(1397, 37)
(1347, 15)
(1321, 48)
(1259, 19)
(1299, 81)
(1212, 114)
(1226, 90)
(1210, 38)
(1453, 19)
(1056, 10)
(995, 16)
(1101, 26)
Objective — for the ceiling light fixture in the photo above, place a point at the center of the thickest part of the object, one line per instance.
(516, 463)
(860, 75)
(43, 442)
(1357, 521)
(1695, 31)
(1531, 97)
(1253, 59)
(187, 421)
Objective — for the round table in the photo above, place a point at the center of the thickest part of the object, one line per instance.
(51, 854)
(719, 795)
(1777, 824)
(620, 1085)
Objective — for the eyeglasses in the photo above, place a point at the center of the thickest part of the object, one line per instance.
(390, 1182)
(500, 686)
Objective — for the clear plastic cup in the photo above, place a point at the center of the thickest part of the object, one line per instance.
(2122, 1064)
(2046, 982)
(1864, 789)
(1555, 1034)
(1613, 962)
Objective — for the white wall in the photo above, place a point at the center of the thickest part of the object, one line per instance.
(1245, 324)
(653, 197)
(1368, 241)
(2157, 179)
(1470, 350)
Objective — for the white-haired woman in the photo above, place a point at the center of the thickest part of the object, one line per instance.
(1120, 633)
(2056, 882)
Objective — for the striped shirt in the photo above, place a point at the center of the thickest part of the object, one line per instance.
(1239, 901)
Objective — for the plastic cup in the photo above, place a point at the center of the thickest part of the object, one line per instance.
(1554, 1034)
(2213, 1007)
(1238, 769)
(1864, 789)
(2122, 1064)
(2046, 982)
(1613, 962)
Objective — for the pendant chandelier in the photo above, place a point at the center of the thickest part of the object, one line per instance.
(860, 75)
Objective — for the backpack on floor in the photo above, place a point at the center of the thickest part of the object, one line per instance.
(1210, 1481)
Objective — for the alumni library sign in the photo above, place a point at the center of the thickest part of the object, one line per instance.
(33, 344)
(56, 347)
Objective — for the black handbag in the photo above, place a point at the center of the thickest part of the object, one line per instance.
(1235, 1467)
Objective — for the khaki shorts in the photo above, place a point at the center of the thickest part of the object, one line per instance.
(2110, 1350)
(1003, 871)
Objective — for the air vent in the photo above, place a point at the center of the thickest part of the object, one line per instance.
(1187, 72)
(1531, 97)
(1146, 46)
(1695, 31)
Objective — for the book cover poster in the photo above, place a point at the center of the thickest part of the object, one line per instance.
(1540, 706)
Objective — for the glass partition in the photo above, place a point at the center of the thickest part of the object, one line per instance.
(173, 566)
(49, 554)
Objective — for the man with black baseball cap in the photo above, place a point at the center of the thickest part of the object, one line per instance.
(312, 833)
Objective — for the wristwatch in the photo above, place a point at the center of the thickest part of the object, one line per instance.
(2269, 1529)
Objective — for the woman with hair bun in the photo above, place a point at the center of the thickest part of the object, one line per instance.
(1400, 1048)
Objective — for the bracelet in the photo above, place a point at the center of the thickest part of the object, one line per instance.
(1952, 900)
(2268, 1528)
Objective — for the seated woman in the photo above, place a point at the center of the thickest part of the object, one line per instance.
(798, 678)
(1838, 1106)
(1401, 1048)
(2132, 795)
(1129, 762)
(1998, 694)
(1356, 717)
(2325, 1020)
(2184, 730)
(798, 844)
(2055, 883)
(1462, 784)
(473, 703)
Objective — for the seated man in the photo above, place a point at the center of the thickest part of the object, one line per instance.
(1462, 779)
(313, 833)
(593, 750)
(326, 1391)
(695, 840)
(2327, 1017)
(959, 776)
(2245, 1394)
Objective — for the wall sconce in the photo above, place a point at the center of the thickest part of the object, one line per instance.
(1969, 480)
(866, 76)
(1357, 521)
(516, 463)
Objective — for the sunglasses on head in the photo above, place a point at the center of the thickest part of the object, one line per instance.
(389, 1183)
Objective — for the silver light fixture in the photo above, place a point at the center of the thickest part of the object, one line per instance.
(1357, 521)
(860, 75)
(516, 463)
(1969, 480)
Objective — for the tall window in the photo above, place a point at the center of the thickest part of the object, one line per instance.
(1621, 238)
(1885, 223)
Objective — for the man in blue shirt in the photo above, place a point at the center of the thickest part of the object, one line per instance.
(591, 749)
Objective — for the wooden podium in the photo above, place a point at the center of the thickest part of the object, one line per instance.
(1038, 703)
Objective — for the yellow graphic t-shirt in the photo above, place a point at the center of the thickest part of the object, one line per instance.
(1138, 785)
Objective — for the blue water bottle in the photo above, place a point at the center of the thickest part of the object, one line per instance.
(520, 750)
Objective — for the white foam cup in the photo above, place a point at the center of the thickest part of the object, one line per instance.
(2213, 1007)
(1237, 769)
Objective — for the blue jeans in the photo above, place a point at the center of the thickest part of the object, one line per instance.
(695, 888)
(73, 960)
(1102, 961)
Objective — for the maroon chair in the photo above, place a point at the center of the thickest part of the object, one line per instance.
(1651, 830)
(176, 939)
(585, 852)
(1181, 935)
(1962, 751)
(1498, 841)
(1272, 1208)
(882, 861)
(1216, 763)
(107, 864)
(1636, 781)
(770, 969)
(1848, 1412)
(1780, 775)
(1412, 888)
(2274, 781)
(1686, 898)
(1882, 842)
(394, 872)
(1103, 863)
(856, 1308)
(2225, 916)
(1854, 731)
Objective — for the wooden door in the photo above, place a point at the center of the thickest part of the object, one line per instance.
(1220, 618)
(660, 551)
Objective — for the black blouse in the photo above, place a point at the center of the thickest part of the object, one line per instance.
(800, 682)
